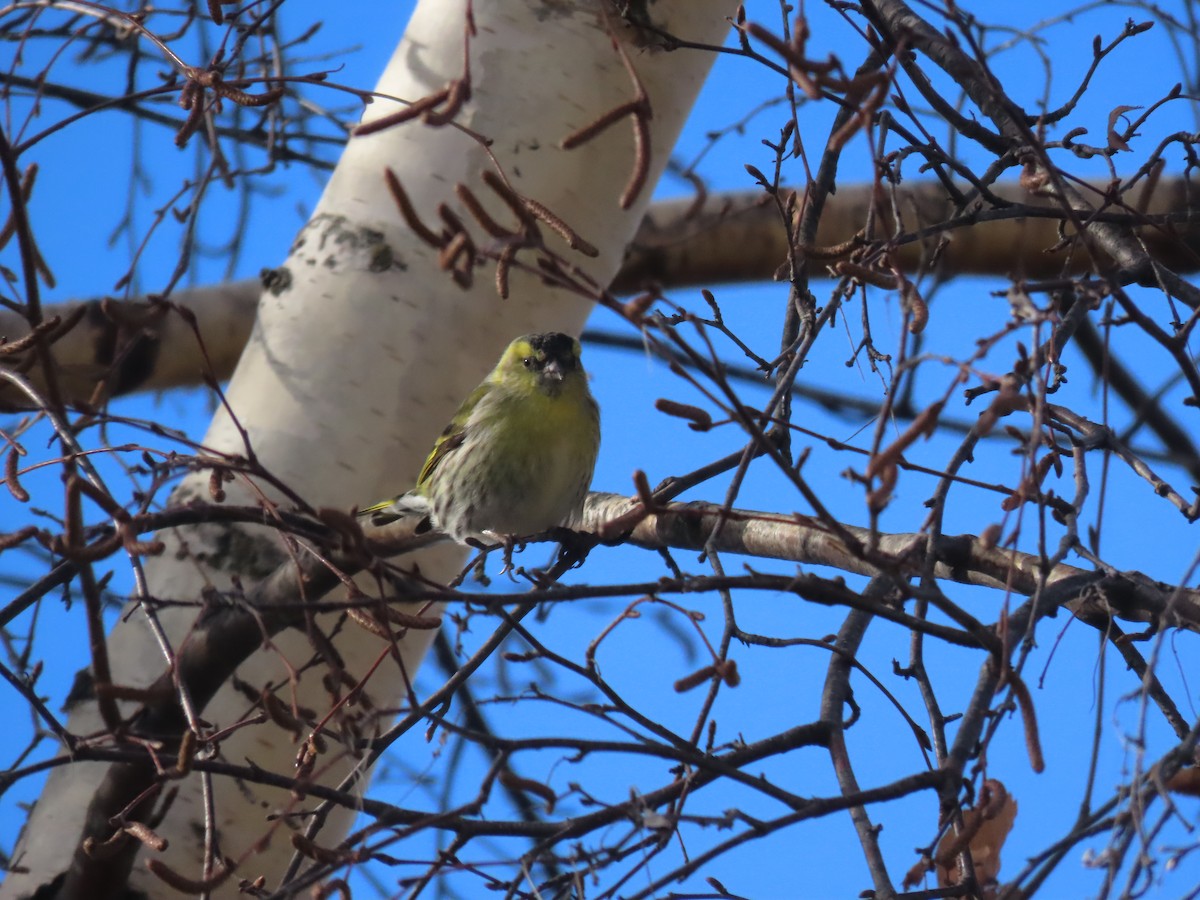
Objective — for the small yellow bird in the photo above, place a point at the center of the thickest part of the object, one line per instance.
(517, 457)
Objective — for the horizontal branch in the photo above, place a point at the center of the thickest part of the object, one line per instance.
(965, 559)
(734, 237)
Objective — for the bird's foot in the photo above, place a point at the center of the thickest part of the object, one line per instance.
(573, 547)
(507, 544)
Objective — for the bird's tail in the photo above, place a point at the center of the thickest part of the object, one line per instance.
(406, 505)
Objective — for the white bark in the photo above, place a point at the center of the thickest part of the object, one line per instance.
(355, 365)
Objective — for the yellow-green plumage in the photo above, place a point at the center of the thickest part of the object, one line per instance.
(517, 457)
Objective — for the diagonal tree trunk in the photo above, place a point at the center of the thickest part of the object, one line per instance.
(362, 347)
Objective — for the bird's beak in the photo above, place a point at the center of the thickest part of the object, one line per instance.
(553, 369)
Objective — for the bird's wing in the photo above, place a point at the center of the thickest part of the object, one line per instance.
(446, 444)
(454, 435)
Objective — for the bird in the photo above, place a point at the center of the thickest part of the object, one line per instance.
(518, 456)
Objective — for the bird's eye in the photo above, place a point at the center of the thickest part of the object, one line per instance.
(527, 362)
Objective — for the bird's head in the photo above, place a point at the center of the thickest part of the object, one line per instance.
(550, 359)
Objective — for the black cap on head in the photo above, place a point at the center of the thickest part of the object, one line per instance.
(555, 346)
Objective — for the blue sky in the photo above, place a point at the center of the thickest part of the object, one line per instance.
(83, 193)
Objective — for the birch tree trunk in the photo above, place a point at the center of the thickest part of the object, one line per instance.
(362, 349)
